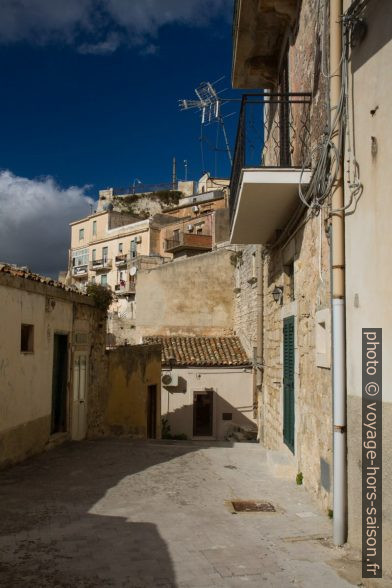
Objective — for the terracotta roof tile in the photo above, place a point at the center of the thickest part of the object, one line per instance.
(19, 272)
(201, 351)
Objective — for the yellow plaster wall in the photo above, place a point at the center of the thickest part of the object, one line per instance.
(131, 369)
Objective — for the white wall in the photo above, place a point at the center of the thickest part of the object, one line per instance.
(233, 392)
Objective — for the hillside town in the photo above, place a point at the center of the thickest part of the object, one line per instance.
(213, 347)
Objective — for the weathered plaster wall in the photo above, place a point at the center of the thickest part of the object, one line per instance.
(131, 369)
(233, 393)
(368, 251)
(191, 296)
(26, 378)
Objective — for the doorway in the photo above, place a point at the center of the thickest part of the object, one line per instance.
(79, 397)
(59, 384)
(152, 412)
(203, 413)
(288, 382)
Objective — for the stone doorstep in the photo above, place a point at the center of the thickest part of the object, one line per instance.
(282, 463)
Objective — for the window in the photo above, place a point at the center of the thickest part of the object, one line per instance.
(133, 248)
(80, 257)
(94, 254)
(104, 280)
(81, 234)
(105, 251)
(94, 228)
(199, 230)
(176, 235)
(27, 338)
(120, 247)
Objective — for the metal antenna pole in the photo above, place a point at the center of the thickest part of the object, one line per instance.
(226, 140)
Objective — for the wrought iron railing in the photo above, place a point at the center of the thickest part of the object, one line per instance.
(273, 131)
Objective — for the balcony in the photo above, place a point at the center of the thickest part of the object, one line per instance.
(271, 159)
(121, 259)
(123, 287)
(260, 28)
(189, 241)
(80, 271)
(100, 264)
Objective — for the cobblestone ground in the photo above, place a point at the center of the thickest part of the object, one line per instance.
(138, 514)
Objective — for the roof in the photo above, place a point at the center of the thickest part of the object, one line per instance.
(20, 272)
(201, 351)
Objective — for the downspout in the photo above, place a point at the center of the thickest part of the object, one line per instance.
(338, 296)
(260, 345)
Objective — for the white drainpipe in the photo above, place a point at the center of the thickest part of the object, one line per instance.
(338, 299)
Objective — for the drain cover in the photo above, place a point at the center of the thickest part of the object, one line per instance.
(252, 506)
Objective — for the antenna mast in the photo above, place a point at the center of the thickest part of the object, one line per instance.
(209, 104)
(174, 175)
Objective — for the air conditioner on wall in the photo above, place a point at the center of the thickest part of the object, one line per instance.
(190, 228)
(169, 379)
(195, 208)
(138, 239)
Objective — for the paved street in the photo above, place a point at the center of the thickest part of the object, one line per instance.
(137, 514)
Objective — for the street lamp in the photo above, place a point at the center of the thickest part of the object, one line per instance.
(277, 294)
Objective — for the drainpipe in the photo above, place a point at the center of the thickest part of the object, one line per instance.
(260, 341)
(338, 299)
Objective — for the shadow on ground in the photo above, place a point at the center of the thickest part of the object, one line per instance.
(52, 533)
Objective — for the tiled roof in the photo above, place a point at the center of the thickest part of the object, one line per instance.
(19, 272)
(201, 351)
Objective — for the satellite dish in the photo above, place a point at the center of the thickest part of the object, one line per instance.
(132, 271)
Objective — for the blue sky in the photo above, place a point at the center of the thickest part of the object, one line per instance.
(91, 101)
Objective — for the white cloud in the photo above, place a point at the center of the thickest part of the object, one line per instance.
(106, 23)
(34, 217)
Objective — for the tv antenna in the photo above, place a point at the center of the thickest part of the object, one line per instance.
(209, 104)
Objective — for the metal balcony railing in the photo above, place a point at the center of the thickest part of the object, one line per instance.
(97, 264)
(121, 259)
(79, 270)
(273, 131)
(124, 287)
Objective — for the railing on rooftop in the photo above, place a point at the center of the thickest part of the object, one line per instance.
(144, 188)
(273, 131)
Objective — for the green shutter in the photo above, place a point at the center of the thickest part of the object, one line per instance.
(288, 382)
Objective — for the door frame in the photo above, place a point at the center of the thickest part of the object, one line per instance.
(152, 425)
(66, 384)
(78, 432)
(213, 409)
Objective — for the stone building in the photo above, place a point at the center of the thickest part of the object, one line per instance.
(283, 282)
(52, 351)
(313, 195)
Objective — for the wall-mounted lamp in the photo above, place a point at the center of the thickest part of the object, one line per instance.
(277, 294)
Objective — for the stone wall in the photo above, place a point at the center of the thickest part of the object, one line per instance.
(300, 265)
(192, 296)
(312, 386)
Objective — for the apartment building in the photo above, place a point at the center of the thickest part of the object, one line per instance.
(106, 245)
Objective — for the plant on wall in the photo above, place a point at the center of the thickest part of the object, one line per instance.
(101, 295)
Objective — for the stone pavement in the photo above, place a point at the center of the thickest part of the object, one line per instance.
(123, 513)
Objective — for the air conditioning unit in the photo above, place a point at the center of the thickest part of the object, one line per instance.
(190, 228)
(169, 379)
(195, 208)
(138, 239)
